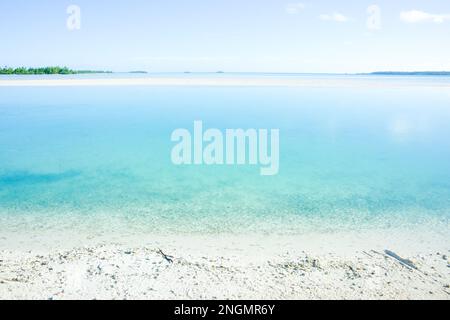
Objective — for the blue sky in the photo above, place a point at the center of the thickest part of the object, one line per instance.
(229, 35)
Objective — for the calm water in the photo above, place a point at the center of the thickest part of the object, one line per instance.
(100, 156)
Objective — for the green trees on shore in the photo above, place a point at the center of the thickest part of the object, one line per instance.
(46, 70)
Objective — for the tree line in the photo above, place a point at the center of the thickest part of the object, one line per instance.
(46, 70)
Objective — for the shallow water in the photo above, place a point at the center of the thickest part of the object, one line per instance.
(99, 157)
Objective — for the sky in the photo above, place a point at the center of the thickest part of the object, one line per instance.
(320, 36)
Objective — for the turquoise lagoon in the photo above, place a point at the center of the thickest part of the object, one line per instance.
(350, 158)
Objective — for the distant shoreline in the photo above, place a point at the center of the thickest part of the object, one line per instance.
(64, 71)
(50, 70)
(410, 73)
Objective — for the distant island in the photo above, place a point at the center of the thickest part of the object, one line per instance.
(46, 70)
(411, 73)
(65, 71)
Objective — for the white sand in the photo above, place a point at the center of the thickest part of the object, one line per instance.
(348, 265)
(229, 81)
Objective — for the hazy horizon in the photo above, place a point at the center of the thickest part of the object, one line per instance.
(263, 36)
(106, 71)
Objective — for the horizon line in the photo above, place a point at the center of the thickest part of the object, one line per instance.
(380, 72)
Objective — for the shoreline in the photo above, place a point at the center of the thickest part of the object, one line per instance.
(341, 265)
(224, 82)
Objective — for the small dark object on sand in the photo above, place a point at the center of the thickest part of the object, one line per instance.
(165, 256)
(405, 262)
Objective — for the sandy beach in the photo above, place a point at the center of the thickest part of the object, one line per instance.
(389, 264)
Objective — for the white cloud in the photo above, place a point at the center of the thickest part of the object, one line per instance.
(415, 16)
(294, 8)
(336, 17)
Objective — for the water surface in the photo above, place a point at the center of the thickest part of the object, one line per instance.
(99, 157)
